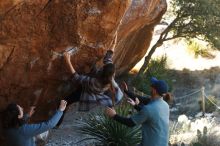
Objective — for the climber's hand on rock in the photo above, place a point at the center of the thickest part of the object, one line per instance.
(63, 104)
(67, 57)
(68, 62)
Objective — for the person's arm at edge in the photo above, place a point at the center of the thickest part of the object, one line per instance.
(31, 130)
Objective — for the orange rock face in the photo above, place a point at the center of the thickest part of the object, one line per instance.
(33, 35)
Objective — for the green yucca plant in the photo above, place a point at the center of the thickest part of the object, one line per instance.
(107, 132)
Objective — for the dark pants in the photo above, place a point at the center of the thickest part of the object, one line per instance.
(72, 98)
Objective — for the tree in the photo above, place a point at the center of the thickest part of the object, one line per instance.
(189, 19)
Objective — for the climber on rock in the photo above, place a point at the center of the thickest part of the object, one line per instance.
(17, 130)
(100, 89)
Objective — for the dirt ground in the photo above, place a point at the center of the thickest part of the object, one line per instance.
(66, 135)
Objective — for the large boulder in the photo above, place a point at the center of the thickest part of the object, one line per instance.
(34, 33)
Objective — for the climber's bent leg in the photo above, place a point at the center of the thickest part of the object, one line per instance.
(72, 98)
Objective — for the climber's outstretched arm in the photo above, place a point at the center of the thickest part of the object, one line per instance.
(114, 42)
(109, 54)
(68, 62)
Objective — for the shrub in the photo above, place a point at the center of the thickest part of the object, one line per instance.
(200, 50)
(205, 139)
(157, 68)
(107, 132)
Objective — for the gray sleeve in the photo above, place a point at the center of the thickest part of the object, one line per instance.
(31, 130)
(118, 92)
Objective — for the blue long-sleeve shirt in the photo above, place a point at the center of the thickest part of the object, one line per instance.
(24, 135)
